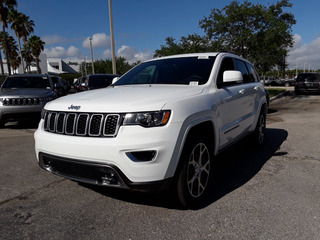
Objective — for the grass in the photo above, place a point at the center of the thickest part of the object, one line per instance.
(275, 92)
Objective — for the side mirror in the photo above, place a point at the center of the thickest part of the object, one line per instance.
(232, 76)
(115, 79)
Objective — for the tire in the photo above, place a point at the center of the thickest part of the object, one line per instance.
(260, 130)
(194, 177)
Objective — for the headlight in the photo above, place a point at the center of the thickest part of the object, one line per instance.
(147, 119)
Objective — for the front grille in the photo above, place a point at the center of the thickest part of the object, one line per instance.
(21, 101)
(82, 124)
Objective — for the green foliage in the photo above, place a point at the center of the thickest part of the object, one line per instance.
(35, 45)
(69, 76)
(256, 32)
(190, 44)
(105, 66)
(275, 91)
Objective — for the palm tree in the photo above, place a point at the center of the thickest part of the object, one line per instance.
(36, 45)
(5, 7)
(22, 27)
(12, 49)
(27, 55)
(16, 25)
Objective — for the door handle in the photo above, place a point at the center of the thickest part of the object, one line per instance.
(242, 91)
(256, 88)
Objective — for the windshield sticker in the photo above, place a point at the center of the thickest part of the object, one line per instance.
(203, 57)
(194, 83)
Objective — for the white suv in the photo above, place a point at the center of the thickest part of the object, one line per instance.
(161, 124)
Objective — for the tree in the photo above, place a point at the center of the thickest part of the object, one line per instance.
(28, 57)
(105, 66)
(191, 43)
(11, 50)
(36, 45)
(22, 26)
(5, 7)
(261, 34)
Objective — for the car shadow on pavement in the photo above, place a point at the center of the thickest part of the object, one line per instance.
(240, 163)
(29, 124)
(232, 169)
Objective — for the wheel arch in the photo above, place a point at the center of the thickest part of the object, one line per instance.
(205, 127)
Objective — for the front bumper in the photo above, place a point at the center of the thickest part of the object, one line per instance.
(96, 173)
(112, 153)
(15, 113)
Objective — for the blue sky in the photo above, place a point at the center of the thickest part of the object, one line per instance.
(141, 26)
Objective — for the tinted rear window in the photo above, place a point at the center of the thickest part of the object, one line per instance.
(309, 78)
(27, 82)
(184, 71)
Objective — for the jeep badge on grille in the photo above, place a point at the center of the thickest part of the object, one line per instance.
(74, 107)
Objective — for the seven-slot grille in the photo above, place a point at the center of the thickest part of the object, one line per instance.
(82, 124)
(21, 101)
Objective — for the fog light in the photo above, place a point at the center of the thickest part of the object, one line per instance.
(142, 156)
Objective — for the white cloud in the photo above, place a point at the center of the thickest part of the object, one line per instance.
(107, 53)
(307, 55)
(61, 52)
(98, 40)
(132, 55)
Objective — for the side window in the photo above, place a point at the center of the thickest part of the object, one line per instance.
(252, 73)
(241, 66)
(227, 64)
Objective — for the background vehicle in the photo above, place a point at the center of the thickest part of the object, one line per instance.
(77, 84)
(95, 81)
(22, 97)
(308, 83)
(160, 125)
(60, 86)
(271, 81)
(287, 82)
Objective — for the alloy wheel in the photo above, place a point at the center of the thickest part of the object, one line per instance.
(198, 170)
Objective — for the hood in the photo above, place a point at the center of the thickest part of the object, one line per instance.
(25, 92)
(119, 99)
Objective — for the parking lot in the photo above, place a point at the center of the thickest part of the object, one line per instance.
(268, 193)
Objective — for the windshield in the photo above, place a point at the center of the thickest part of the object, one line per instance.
(27, 82)
(185, 71)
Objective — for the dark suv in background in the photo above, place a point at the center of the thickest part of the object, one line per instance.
(307, 82)
(95, 81)
(22, 97)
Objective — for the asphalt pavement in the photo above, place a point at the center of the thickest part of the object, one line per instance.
(267, 193)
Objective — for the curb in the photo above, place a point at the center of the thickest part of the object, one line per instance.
(279, 95)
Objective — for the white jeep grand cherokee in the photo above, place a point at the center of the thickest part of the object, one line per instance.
(161, 124)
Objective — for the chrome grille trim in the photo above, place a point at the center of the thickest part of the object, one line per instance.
(82, 124)
(21, 101)
(95, 127)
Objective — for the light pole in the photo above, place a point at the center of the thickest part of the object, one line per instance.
(85, 65)
(91, 55)
(114, 68)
